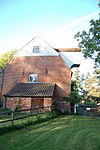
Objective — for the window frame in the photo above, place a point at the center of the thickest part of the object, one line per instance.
(34, 76)
(36, 49)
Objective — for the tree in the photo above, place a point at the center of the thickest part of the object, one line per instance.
(92, 85)
(5, 58)
(89, 42)
(74, 96)
(88, 85)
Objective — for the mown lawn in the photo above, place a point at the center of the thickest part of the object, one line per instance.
(62, 133)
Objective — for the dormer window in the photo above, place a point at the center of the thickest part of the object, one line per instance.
(36, 49)
(33, 77)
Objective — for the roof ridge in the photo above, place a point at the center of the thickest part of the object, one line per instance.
(34, 82)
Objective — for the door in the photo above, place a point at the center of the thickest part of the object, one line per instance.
(37, 104)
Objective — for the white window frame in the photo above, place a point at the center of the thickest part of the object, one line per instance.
(36, 49)
(33, 77)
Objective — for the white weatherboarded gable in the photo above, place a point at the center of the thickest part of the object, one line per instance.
(37, 47)
(71, 58)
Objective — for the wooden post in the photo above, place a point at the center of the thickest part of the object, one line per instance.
(12, 118)
(37, 110)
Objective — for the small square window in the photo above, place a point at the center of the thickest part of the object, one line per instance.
(36, 49)
(33, 77)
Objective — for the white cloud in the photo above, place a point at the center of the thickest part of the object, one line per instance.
(71, 24)
(60, 37)
(64, 35)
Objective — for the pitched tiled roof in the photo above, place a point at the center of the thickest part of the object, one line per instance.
(31, 90)
(68, 50)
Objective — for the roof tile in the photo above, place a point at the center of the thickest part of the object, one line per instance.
(36, 89)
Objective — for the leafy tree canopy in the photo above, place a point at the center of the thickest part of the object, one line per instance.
(5, 58)
(89, 42)
(74, 96)
(88, 85)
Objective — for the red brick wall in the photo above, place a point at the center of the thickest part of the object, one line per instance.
(12, 103)
(37, 102)
(62, 106)
(1, 80)
(48, 68)
(47, 102)
(27, 103)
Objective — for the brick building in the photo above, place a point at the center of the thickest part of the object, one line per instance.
(37, 75)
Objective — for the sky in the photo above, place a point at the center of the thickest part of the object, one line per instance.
(56, 21)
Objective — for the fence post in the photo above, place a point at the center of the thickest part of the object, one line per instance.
(37, 110)
(12, 118)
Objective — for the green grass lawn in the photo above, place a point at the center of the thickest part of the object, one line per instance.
(62, 133)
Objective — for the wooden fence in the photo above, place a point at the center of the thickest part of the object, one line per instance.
(11, 116)
(86, 110)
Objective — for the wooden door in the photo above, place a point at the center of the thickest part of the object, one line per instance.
(37, 103)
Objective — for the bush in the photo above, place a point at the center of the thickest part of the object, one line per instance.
(73, 97)
(89, 102)
(38, 119)
(1, 103)
(5, 110)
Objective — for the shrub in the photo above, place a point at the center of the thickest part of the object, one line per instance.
(89, 102)
(39, 118)
(73, 97)
(5, 110)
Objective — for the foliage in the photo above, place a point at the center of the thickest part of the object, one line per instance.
(90, 103)
(4, 109)
(74, 85)
(89, 42)
(74, 96)
(1, 104)
(5, 58)
(88, 85)
(97, 72)
(27, 122)
(17, 107)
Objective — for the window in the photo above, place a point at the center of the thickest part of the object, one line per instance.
(36, 49)
(33, 77)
